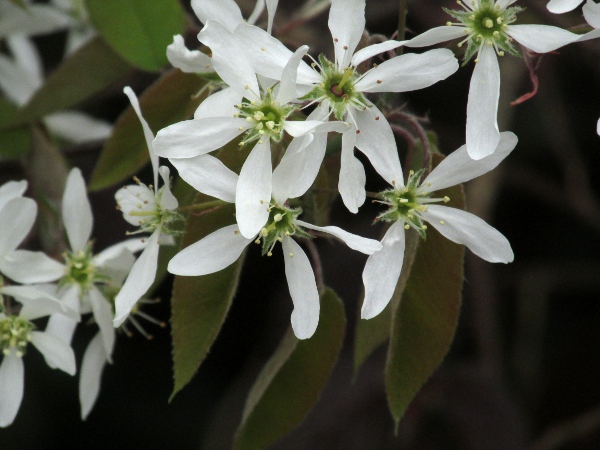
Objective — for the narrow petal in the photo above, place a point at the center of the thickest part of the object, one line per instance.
(355, 242)
(256, 12)
(26, 55)
(376, 140)
(196, 137)
(271, 8)
(16, 220)
(38, 302)
(347, 24)
(598, 127)
(92, 366)
(562, 6)
(409, 72)
(208, 175)
(368, 52)
(435, 36)
(15, 82)
(29, 267)
(482, 107)
(55, 350)
(591, 12)
(226, 12)
(352, 175)
(32, 20)
(216, 251)
(12, 376)
(541, 38)
(219, 104)
(253, 191)
(60, 325)
(459, 167)
(502, 4)
(594, 34)
(113, 256)
(303, 289)
(138, 281)
(298, 128)
(77, 127)
(103, 316)
(76, 211)
(382, 271)
(287, 86)
(189, 61)
(10, 190)
(167, 199)
(465, 228)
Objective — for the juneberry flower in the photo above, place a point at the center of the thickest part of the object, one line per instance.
(488, 29)
(412, 204)
(591, 12)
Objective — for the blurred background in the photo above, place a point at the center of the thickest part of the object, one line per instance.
(523, 370)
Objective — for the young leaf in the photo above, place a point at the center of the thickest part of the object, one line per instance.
(14, 142)
(170, 99)
(292, 380)
(139, 30)
(424, 322)
(89, 70)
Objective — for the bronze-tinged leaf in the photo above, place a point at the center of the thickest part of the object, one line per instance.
(292, 380)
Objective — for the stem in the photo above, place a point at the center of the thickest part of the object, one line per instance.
(401, 24)
(202, 206)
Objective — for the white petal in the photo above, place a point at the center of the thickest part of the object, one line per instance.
(504, 3)
(355, 242)
(11, 388)
(197, 137)
(16, 219)
(226, 12)
(219, 104)
(208, 175)
(189, 61)
(591, 12)
(271, 8)
(347, 24)
(372, 50)
(465, 228)
(435, 36)
(409, 72)
(111, 256)
(253, 191)
(287, 86)
(60, 325)
(297, 170)
(147, 131)
(103, 316)
(77, 127)
(26, 55)
(139, 280)
(303, 289)
(541, 38)
(298, 128)
(76, 211)
(562, 6)
(15, 82)
(351, 184)
(258, 9)
(482, 107)
(135, 198)
(598, 127)
(31, 267)
(376, 140)
(459, 167)
(35, 19)
(382, 271)
(38, 302)
(167, 199)
(92, 366)
(229, 59)
(216, 251)
(594, 34)
(55, 350)
(10, 190)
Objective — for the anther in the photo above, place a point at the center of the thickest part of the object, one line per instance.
(278, 217)
(378, 81)
(446, 199)
(407, 227)
(442, 222)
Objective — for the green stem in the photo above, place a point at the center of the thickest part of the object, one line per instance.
(202, 206)
(401, 25)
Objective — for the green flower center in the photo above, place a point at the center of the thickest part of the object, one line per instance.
(15, 332)
(281, 224)
(81, 270)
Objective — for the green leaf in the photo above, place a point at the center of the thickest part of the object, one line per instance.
(89, 70)
(425, 320)
(139, 30)
(292, 380)
(14, 142)
(172, 98)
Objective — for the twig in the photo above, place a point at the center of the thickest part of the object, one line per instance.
(401, 25)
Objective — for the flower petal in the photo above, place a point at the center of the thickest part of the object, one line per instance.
(38, 302)
(16, 219)
(594, 34)
(459, 167)
(138, 281)
(435, 36)
(541, 38)
(409, 72)
(219, 104)
(382, 271)
(55, 350)
(103, 316)
(76, 211)
(77, 127)
(208, 175)
(29, 267)
(167, 199)
(287, 86)
(303, 289)
(368, 52)
(60, 325)
(32, 20)
(465, 228)
(135, 198)
(226, 12)
(10, 190)
(12, 375)
(253, 191)
(271, 8)
(562, 6)
(591, 12)
(189, 61)
(482, 107)
(92, 366)
(355, 242)
(26, 55)
(351, 184)
(197, 137)
(216, 251)
(347, 24)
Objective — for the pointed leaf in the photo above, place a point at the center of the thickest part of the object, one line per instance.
(424, 321)
(139, 30)
(292, 380)
(170, 99)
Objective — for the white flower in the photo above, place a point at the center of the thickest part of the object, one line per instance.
(277, 223)
(151, 210)
(80, 30)
(30, 20)
(340, 88)
(411, 205)
(16, 331)
(22, 76)
(487, 28)
(591, 12)
(563, 6)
